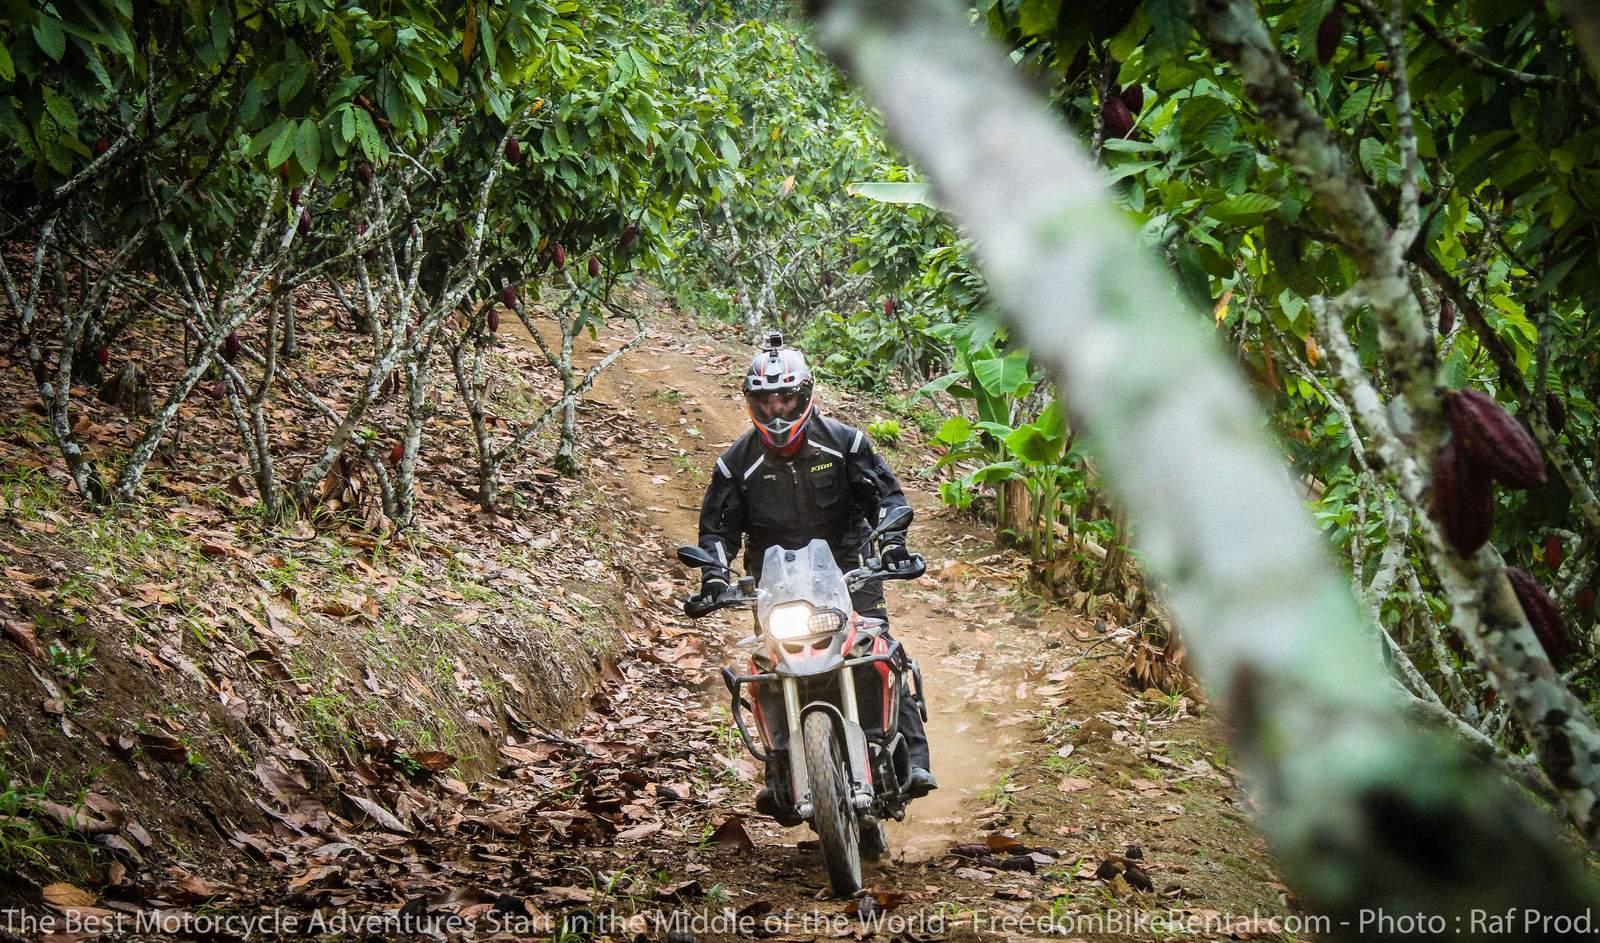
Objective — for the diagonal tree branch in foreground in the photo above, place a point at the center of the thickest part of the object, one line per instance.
(1363, 808)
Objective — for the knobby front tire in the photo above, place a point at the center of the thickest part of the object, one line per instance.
(833, 817)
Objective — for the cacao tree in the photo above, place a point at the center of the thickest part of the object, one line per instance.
(1333, 765)
(325, 149)
(1384, 211)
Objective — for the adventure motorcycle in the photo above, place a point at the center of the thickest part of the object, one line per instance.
(826, 686)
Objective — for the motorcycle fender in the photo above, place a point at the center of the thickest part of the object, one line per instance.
(855, 743)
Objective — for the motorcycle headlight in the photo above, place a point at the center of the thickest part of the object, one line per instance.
(789, 621)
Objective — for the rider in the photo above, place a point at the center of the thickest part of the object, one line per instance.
(796, 476)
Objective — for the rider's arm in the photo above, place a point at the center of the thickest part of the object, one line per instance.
(722, 515)
(873, 484)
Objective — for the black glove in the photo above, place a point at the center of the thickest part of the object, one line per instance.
(895, 555)
(713, 583)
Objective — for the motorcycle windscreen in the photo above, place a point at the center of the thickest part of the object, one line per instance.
(805, 575)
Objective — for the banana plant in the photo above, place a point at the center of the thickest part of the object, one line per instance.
(995, 381)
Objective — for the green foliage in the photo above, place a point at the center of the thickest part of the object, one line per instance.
(886, 431)
(24, 842)
(786, 239)
(71, 663)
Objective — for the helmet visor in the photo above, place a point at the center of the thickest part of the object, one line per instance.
(768, 407)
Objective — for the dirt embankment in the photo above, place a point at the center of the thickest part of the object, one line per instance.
(184, 686)
(1069, 802)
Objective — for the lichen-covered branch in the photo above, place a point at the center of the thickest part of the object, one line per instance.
(1238, 35)
(1389, 27)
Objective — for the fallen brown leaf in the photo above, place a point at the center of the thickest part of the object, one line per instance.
(22, 635)
(64, 896)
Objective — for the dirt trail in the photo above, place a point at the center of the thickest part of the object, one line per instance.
(1124, 805)
(1070, 805)
(692, 394)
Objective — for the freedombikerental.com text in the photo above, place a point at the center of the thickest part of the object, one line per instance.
(277, 923)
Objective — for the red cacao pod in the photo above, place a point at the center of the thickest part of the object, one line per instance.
(230, 347)
(494, 320)
(101, 145)
(294, 196)
(1552, 551)
(1463, 501)
(1078, 64)
(1585, 599)
(630, 232)
(509, 296)
(461, 231)
(1555, 413)
(889, 306)
(1133, 97)
(513, 150)
(364, 173)
(1543, 615)
(305, 221)
(594, 266)
(1330, 34)
(397, 453)
(1491, 438)
(102, 356)
(1447, 318)
(560, 256)
(1116, 118)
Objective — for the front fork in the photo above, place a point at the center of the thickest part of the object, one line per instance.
(800, 779)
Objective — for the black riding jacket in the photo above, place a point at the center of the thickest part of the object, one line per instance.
(830, 489)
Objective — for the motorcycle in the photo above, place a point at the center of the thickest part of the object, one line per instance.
(817, 670)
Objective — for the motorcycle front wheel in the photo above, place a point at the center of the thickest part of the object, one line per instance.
(833, 817)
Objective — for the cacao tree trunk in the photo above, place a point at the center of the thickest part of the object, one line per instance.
(566, 453)
(470, 386)
(250, 417)
(291, 342)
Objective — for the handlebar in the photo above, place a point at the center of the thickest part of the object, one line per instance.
(697, 606)
(914, 567)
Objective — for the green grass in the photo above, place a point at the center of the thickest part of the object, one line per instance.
(23, 841)
(1065, 766)
(998, 794)
(71, 663)
(28, 491)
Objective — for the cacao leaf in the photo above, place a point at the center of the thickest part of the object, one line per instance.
(887, 192)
